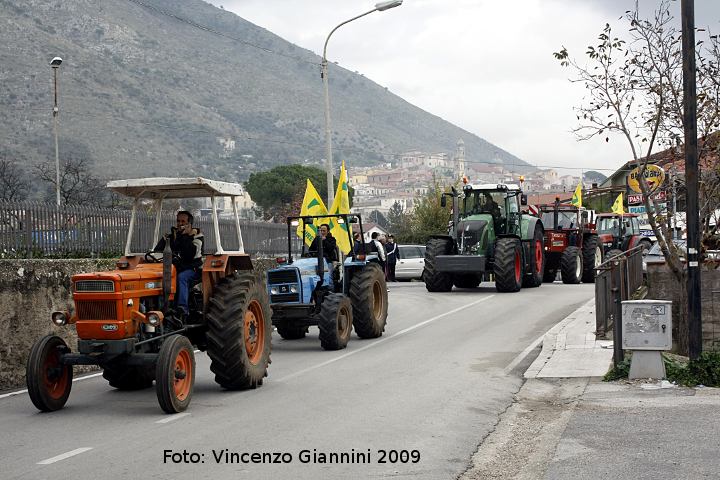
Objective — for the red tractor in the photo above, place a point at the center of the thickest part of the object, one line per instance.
(572, 245)
(619, 233)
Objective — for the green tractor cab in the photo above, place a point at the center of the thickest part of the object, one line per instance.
(488, 233)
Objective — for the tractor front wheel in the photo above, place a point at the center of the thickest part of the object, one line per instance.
(175, 374)
(335, 321)
(534, 277)
(369, 298)
(436, 281)
(239, 330)
(48, 380)
(508, 265)
(571, 265)
(592, 257)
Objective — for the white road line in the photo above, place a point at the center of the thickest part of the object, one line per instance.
(63, 456)
(171, 418)
(378, 342)
(521, 356)
(24, 390)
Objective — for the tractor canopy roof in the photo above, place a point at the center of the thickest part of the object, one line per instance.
(616, 215)
(492, 186)
(166, 188)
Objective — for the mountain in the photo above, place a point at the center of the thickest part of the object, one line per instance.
(150, 87)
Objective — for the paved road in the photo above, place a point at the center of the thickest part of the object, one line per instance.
(433, 386)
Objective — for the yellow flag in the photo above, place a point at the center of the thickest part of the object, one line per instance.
(577, 196)
(341, 204)
(312, 205)
(618, 205)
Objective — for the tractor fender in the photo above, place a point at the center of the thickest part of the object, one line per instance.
(527, 226)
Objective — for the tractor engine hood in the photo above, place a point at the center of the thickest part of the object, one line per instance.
(472, 234)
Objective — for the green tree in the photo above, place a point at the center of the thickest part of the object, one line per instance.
(428, 216)
(400, 223)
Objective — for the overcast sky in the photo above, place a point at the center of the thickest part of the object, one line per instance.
(484, 65)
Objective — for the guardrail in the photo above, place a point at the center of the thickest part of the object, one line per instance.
(616, 279)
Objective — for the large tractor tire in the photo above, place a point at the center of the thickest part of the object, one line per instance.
(125, 377)
(369, 298)
(534, 277)
(549, 275)
(436, 281)
(291, 332)
(175, 374)
(239, 331)
(592, 257)
(48, 381)
(335, 321)
(508, 268)
(468, 280)
(571, 265)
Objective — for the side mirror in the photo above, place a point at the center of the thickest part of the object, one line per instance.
(523, 199)
(443, 202)
(352, 220)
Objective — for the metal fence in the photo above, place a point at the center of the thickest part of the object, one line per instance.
(616, 280)
(29, 229)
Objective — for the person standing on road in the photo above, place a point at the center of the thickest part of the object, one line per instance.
(391, 252)
(378, 247)
(186, 244)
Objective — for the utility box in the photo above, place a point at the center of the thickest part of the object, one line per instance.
(647, 325)
(646, 329)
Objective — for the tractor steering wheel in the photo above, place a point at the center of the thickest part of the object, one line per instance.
(150, 258)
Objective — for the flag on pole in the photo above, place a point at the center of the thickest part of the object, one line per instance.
(312, 205)
(577, 196)
(341, 204)
(618, 205)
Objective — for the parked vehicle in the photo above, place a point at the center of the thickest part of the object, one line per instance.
(571, 243)
(126, 322)
(334, 296)
(489, 234)
(410, 263)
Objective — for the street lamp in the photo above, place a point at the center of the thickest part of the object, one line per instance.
(55, 64)
(379, 7)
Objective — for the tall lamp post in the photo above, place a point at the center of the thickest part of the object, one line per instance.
(55, 64)
(379, 7)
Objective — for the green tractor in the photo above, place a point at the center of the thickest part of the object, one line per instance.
(487, 234)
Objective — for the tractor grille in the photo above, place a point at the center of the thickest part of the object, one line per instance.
(283, 276)
(96, 310)
(95, 286)
(284, 298)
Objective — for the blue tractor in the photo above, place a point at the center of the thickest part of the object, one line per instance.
(334, 296)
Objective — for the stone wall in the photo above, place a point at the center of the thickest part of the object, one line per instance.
(30, 290)
(663, 286)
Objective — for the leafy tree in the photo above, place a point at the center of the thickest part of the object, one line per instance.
(400, 223)
(377, 216)
(428, 216)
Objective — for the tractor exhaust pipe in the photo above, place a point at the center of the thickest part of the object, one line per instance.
(167, 273)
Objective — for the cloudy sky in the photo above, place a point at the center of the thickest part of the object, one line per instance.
(484, 65)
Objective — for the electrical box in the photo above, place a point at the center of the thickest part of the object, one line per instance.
(647, 325)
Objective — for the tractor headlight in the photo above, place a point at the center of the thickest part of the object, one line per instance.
(59, 318)
(274, 290)
(154, 318)
(293, 289)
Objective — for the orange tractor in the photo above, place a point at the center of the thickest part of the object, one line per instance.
(127, 324)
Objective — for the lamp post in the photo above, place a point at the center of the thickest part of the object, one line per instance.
(379, 7)
(55, 64)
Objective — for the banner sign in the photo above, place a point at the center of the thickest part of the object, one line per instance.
(637, 199)
(654, 176)
(641, 208)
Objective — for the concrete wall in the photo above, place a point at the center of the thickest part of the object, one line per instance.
(30, 290)
(662, 286)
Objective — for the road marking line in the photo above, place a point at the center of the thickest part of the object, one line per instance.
(521, 356)
(385, 339)
(63, 456)
(24, 390)
(170, 418)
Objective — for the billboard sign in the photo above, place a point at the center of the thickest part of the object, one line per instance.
(653, 176)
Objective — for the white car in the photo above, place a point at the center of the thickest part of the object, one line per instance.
(410, 263)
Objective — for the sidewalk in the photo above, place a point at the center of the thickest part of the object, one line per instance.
(566, 423)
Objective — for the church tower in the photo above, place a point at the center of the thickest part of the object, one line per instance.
(460, 158)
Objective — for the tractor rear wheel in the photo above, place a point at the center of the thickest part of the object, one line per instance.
(239, 330)
(466, 280)
(48, 381)
(175, 374)
(508, 267)
(592, 257)
(436, 281)
(291, 332)
(125, 377)
(571, 265)
(534, 277)
(335, 321)
(369, 298)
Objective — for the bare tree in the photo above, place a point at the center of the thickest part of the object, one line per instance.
(13, 182)
(78, 186)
